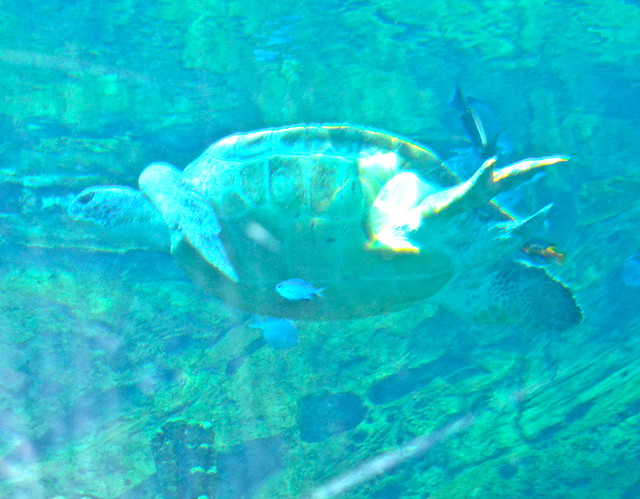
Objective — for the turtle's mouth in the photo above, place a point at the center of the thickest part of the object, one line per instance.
(74, 212)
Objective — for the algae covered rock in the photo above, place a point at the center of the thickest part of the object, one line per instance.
(185, 459)
(605, 198)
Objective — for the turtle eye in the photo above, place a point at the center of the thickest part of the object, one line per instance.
(85, 198)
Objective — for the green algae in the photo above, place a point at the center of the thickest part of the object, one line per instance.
(509, 417)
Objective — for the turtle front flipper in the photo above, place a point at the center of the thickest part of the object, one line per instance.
(187, 213)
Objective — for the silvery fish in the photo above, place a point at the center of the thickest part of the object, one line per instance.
(298, 289)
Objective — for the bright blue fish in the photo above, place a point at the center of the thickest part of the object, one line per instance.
(298, 289)
(277, 333)
(631, 272)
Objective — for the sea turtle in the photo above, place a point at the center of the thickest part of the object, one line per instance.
(373, 218)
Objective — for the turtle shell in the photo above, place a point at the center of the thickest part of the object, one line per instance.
(293, 203)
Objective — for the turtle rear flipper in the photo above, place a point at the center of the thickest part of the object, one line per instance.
(405, 200)
(516, 295)
(543, 301)
(187, 213)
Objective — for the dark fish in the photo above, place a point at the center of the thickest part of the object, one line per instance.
(479, 122)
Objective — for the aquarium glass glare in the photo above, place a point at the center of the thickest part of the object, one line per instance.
(333, 248)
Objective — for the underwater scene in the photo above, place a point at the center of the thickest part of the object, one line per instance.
(292, 249)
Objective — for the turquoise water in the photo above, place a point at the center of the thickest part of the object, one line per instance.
(121, 378)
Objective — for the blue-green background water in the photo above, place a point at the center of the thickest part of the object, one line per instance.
(99, 349)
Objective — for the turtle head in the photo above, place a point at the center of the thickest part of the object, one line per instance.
(105, 206)
(123, 213)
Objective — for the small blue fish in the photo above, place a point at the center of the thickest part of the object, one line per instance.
(298, 289)
(630, 272)
(277, 333)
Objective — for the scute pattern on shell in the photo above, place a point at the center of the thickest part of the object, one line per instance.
(309, 188)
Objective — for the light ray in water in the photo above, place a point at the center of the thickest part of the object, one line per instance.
(385, 462)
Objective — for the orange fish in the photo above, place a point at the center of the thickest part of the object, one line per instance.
(548, 251)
